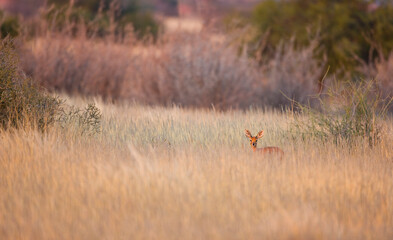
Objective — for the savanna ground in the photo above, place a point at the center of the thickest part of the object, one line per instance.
(173, 173)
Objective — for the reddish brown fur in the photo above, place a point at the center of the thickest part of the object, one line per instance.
(265, 150)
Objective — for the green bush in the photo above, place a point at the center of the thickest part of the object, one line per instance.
(345, 28)
(86, 121)
(348, 113)
(23, 104)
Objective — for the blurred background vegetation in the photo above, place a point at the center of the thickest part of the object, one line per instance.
(347, 31)
(272, 50)
(96, 14)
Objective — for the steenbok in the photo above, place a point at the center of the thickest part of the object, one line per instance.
(265, 150)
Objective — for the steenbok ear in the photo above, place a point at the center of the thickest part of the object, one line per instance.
(260, 134)
(248, 134)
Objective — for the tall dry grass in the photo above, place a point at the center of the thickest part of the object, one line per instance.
(171, 173)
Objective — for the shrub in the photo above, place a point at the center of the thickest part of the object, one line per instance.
(86, 121)
(24, 104)
(198, 73)
(187, 69)
(293, 75)
(352, 111)
(384, 76)
(79, 66)
(382, 71)
(192, 70)
(21, 101)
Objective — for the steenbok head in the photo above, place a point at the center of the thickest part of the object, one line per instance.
(254, 142)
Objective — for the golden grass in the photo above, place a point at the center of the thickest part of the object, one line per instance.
(170, 173)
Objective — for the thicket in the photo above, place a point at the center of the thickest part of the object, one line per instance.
(348, 112)
(348, 31)
(25, 105)
(190, 70)
(21, 103)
